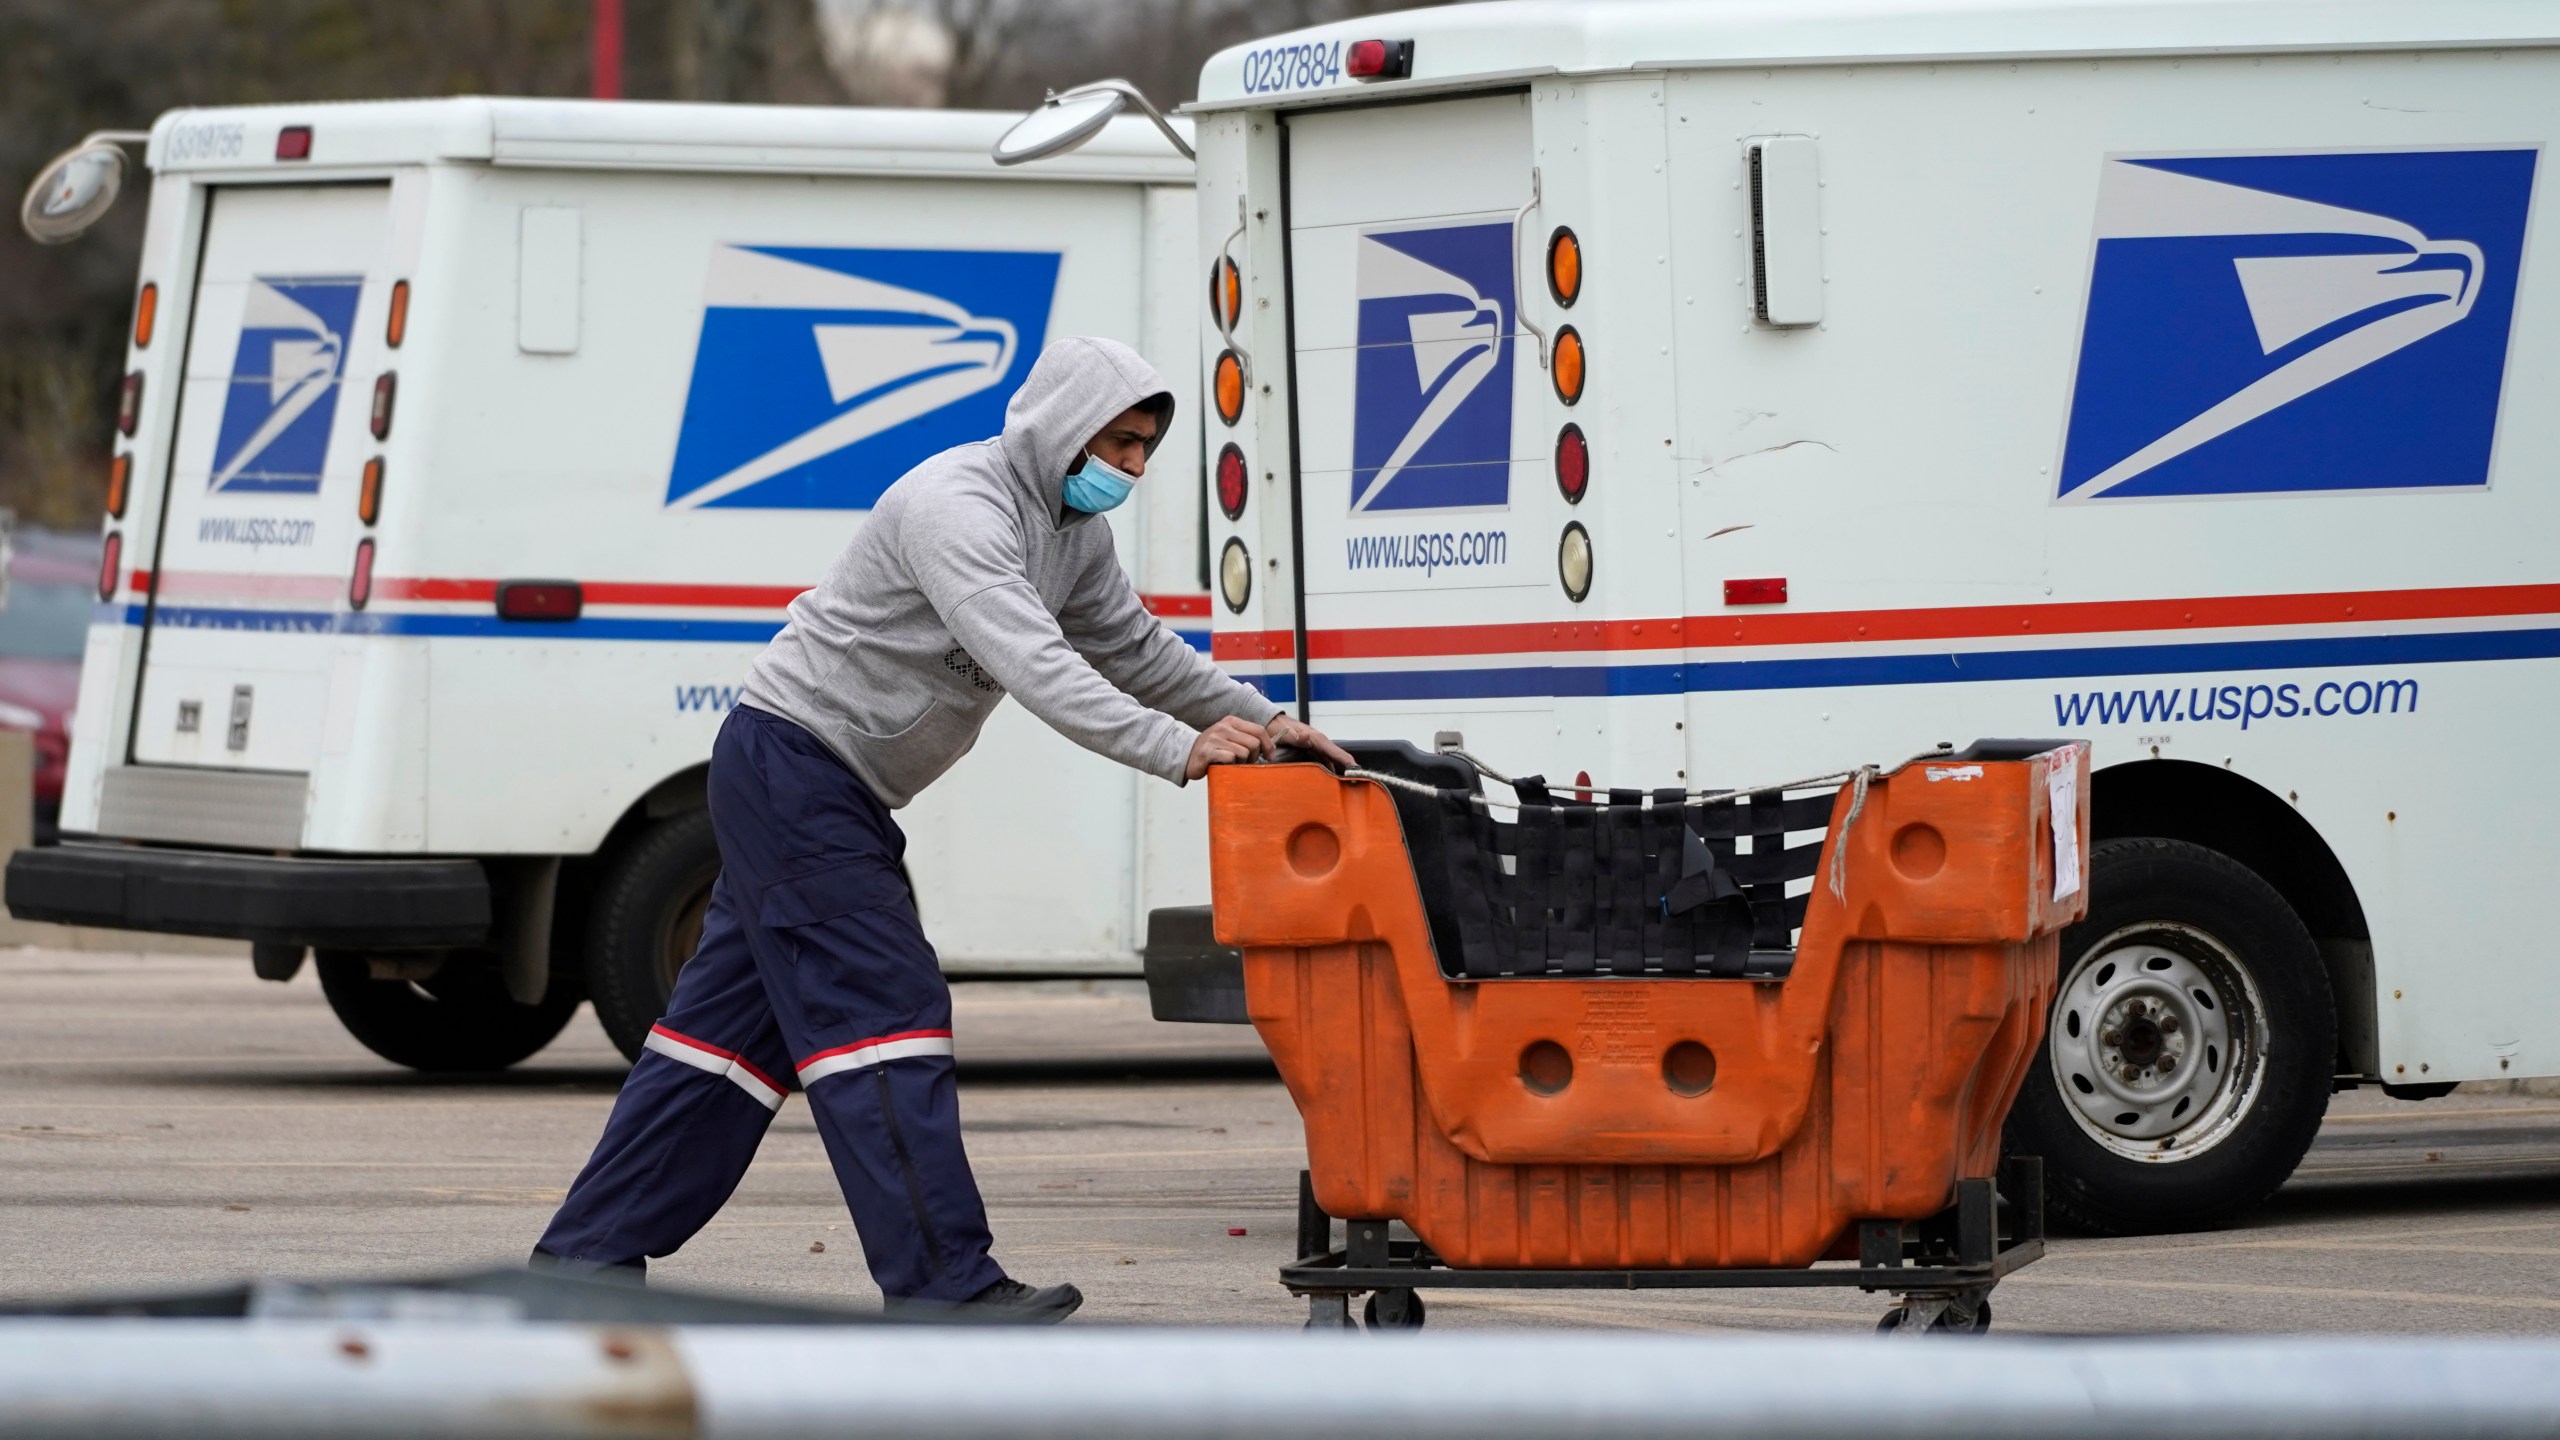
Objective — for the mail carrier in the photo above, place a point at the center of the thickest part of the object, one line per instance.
(1716, 393)
(469, 451)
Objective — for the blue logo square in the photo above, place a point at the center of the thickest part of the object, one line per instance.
(282, 399)
(2264, 324)
(1431, 386)
(825, 374)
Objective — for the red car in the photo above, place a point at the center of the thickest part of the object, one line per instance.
(53, 592)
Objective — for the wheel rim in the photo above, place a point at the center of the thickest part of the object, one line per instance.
(684, 935)
(2158, 1042)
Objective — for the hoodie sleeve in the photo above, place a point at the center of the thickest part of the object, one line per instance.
(1108, 624)
(967, 557)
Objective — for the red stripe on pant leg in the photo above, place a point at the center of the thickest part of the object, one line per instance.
(874, 1040)
(732, 1056)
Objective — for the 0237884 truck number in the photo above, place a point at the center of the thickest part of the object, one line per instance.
(1292, 67)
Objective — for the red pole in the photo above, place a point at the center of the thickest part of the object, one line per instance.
(606, 56)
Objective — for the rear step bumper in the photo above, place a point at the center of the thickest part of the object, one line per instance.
(287, 900)
(1190, 976)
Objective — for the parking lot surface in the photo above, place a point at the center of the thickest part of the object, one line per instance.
(169, 1122)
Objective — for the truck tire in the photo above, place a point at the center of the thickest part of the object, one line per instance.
(458, 1019)
(2190, 1050)
(645, 919)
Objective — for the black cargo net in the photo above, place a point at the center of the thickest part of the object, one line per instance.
(1620, 886)
(1623, 882)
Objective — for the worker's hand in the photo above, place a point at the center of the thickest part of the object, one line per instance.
(1228, 742)
(1285, 730)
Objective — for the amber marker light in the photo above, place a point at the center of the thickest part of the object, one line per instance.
(1226, 292)
(1567, 368)
(1227, 384)
(119, 477)
(396, 328)
(146, 316)
(369, 495)
(1564, 266)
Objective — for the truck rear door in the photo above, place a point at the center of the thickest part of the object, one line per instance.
(251, 567)
(1415, 383)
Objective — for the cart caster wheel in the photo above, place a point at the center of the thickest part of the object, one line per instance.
(1393, 1310)
(1952, 1320)
(1330, 1312)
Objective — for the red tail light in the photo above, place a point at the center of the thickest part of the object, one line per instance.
(109, 559)
(293, 142)
(385, 385)
(540, 600)
(129, 403)
(1573, 464)
(360, 584)
(1772, 591)
(1231, 486)
(1378, 59)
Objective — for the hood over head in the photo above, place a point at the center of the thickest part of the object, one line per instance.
(1077, 386)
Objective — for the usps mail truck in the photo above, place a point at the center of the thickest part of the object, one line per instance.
(1717, 393)
(469, 452)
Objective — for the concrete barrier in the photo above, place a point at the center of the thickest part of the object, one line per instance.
(460, 1377)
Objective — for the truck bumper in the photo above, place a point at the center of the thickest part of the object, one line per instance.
(288, 900)
(1190, 976)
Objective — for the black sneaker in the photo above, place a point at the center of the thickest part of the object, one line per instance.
(1006, 1302)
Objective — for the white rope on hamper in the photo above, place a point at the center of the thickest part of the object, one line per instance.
(1857, 777)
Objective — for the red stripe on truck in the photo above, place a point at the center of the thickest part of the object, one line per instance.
(1845, 627)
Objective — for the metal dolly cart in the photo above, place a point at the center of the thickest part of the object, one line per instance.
(1940, 1271)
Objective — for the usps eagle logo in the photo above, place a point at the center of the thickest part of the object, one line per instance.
(822, 375)
(1431, 386)
(282, 399)
(2296, 323)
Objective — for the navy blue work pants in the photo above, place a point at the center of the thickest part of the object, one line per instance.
(812, 968)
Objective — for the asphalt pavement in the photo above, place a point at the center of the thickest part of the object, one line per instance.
(169, 1121)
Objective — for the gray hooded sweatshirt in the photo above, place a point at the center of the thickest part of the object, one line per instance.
(971, 580)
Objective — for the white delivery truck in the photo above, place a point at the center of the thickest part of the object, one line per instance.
(1720, 392)
(469, 452)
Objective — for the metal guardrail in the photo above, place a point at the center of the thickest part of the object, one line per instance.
(459, 1377)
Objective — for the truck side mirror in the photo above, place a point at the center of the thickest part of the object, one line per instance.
(1066, 121)
(78, 188)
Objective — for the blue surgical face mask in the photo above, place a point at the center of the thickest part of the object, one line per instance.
(1097, 485)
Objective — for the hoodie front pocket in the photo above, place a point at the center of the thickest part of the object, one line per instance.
(923, 749)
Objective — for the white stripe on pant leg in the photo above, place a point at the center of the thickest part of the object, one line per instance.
(710, 1064)
(870, 1055)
